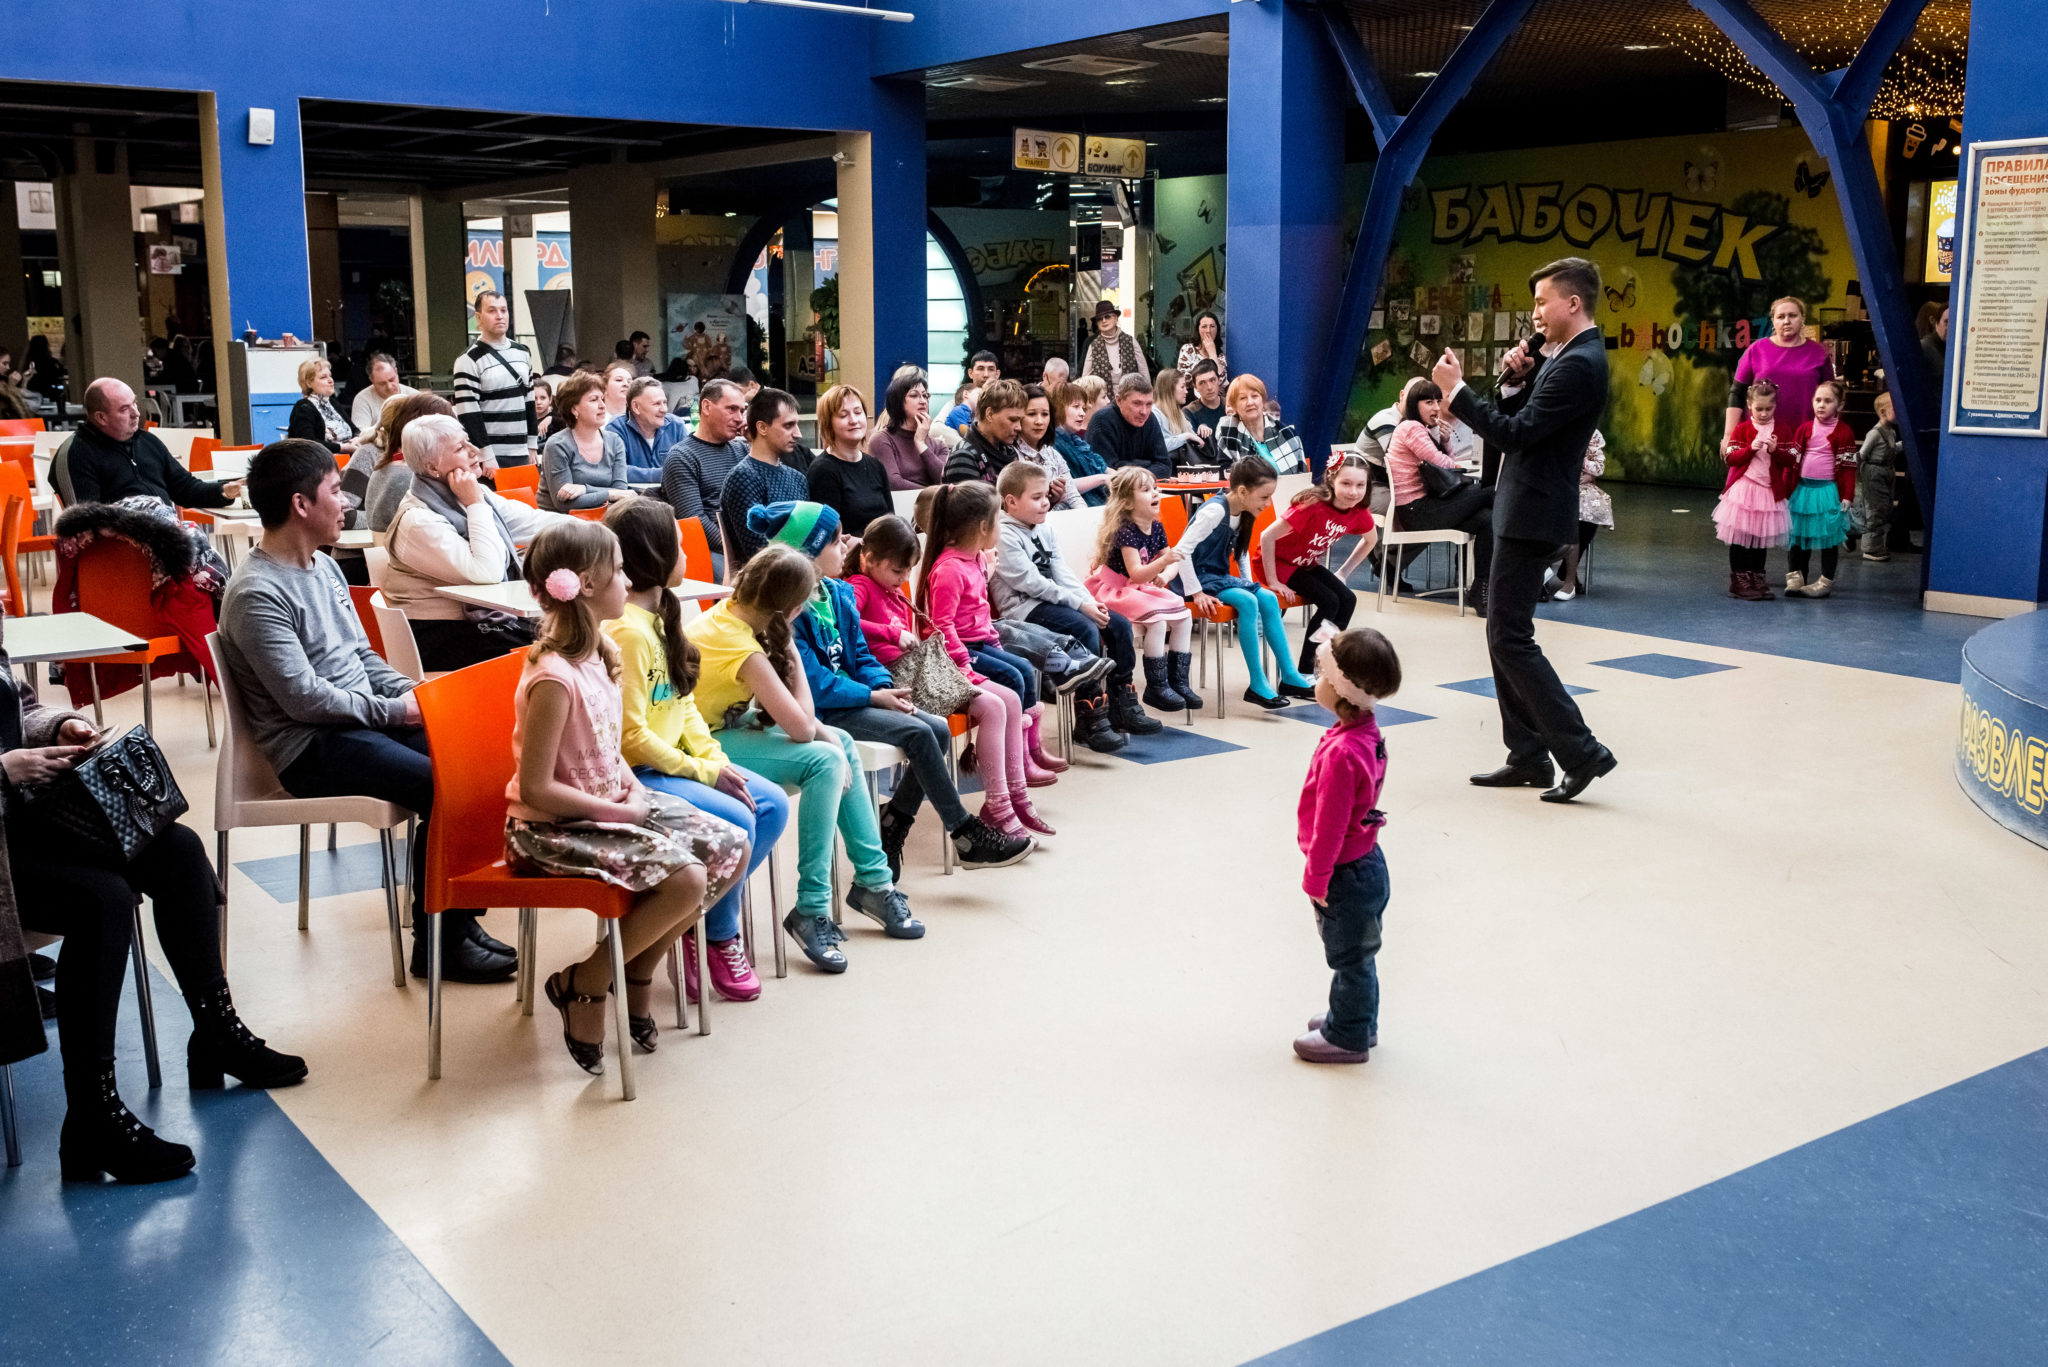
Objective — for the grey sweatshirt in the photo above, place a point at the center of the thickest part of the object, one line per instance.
(299, 657)
(1030, 570)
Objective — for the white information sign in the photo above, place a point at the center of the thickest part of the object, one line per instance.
(2000, 368)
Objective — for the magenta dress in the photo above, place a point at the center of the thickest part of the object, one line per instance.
(1796, 370)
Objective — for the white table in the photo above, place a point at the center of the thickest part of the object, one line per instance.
(66, 636)
(355, 541)
(515, 598)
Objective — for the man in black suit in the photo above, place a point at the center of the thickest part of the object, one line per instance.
(1546, 415)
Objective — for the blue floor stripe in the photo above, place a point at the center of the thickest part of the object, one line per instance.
(1917, 1236)
(1663, 666)
(263, 1255)
(1483, 687)
(350, 869)
(1318, 715)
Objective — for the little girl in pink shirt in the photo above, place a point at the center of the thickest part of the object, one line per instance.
(881, 567)
(1819, 515)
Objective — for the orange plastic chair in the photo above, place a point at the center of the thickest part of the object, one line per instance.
(360, 595)
(1289, 599)
(201, 462)
(14, 512)
(696, 551)
(589, 514)
(113, 585)
(20, 427)
(530, 497)
(510, 477)
(22, 453)
(1173, 516)
(469, 716)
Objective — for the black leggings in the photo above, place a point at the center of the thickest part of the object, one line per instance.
(1746, 559)
(1333, 602)
(1798, 559)
(93, 908)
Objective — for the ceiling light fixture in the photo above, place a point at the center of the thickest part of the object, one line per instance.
(1642, 47)
(895, 16)
(1422, 73)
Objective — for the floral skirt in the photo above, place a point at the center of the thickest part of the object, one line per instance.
(635, 858)
(1818, 521)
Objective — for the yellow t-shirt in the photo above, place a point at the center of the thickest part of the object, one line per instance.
(662, 729)
(724, 642)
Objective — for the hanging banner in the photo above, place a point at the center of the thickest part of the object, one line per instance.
(1123, 158)
(1996, 384)
(1038, 150)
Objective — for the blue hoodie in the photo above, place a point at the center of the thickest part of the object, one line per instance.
(841, 669)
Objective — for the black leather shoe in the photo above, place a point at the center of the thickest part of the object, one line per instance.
(1258, 699)
(1306, 692)
(481, 937)
(463, 961)
(1516, 776)
(1577, 780)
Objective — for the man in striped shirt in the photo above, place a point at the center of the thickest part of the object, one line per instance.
(494, 389)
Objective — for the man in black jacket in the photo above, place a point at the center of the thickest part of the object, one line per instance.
(1542, 428)
(1125, 433)
(112, 457)
(989, 442)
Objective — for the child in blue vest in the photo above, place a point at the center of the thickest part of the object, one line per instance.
(1221, 530)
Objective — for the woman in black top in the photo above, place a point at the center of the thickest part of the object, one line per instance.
(843, 477)
(314, 417)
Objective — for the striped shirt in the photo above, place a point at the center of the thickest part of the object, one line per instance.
(692, 476)
(494, 400)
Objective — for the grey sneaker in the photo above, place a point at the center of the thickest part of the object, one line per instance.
(981, 846)
(887, 907)
(819, 939)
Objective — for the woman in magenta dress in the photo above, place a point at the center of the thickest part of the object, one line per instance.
(1786, 359)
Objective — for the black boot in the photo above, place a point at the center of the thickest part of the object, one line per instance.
(895, 830)
(1092, 726)
(1181, 662)
(1125, 714)
(222, 1045)
(463, 960)
(103, 1136)
(1159, 686)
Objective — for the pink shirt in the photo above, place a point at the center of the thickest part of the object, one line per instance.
(1818, 460)
(589, 758)
(958, 598)
(1337, 819)
(884, 616)
(1406, 450)
(1758, 471)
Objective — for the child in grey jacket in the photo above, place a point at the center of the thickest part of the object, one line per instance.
(1881, 455)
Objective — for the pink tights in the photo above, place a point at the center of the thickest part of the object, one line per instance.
(998, 719)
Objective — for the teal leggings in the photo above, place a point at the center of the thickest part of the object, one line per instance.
(831, 797)
(1258, 610)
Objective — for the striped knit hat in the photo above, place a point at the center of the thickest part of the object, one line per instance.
(810, 527)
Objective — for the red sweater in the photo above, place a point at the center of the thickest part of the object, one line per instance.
(1337, 819)
(1784, 458)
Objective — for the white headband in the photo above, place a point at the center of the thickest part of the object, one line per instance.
(1328, 669)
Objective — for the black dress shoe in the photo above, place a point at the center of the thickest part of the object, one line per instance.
(1306, 692)
(1577, 780)
(1258, 699)
(463, 961)
(479, 936)
(1515, 776)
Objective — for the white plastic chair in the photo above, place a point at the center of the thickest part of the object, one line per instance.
(376, 560)
(400, 650)
(1391, 537)
(246, 793)
(904, 501)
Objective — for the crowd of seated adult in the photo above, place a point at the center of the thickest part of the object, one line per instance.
(583, 465)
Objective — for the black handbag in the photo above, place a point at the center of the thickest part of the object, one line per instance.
(114, 800)
(1439, 481)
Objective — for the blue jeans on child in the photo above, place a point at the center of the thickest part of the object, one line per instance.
(1350, 924)
(1258, 610)
(762, 825)
(1113, 640)
(1013, 672)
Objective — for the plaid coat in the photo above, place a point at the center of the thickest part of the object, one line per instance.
(1283, 447)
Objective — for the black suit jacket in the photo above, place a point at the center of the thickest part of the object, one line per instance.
(1543, 430)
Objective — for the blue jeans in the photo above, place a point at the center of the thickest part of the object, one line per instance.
(1258, 611)
(762, 826)
(1113, 640)
(924, 740)
(1013, 672)
(1351, 944)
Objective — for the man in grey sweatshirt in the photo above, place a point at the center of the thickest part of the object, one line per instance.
(330, 715)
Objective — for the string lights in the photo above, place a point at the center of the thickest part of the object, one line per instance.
(1925, 78)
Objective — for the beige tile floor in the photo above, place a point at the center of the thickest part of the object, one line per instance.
(1066, 1127)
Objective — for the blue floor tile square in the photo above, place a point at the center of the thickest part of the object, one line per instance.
(1319, 715)
(352, 868)
(1175, 742)
(1483, 688)
(1663, 666)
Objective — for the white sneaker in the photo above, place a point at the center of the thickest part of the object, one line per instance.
(1795, 584)
(1820, 588)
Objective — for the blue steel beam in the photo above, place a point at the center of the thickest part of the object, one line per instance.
(1831, 112)
(1400, 158)
(1366, 86)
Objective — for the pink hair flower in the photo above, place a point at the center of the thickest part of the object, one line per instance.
(563, 585)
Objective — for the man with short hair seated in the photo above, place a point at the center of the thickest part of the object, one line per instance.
(330, 715)
(113, 457)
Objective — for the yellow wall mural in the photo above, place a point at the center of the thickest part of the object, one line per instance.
(1694, 237)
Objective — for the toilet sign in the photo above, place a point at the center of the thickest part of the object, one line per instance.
(1039, 150)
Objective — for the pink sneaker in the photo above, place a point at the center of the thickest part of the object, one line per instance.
(686, 950)
(1315, 1023)
(1028, 819)
(732, 977)
(1035, 752)
(996, 811)
(1037, 775)
(1313, 1048)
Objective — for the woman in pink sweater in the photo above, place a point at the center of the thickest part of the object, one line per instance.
(1420, 440)
(882, 565)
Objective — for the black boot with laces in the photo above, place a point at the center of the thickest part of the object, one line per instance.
(222, 1047)
(102, 1136)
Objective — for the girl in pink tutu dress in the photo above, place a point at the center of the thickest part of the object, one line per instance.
(1751, 516)
(1132, 577)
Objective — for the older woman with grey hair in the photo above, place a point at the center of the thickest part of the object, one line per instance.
(449, 530)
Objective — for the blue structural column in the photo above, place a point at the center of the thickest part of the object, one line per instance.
(898, 214)
(1285, 211)
(1990, 539)
(258, 274)
(1832, 109)
(1404, 141)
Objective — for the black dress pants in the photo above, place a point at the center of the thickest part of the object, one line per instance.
(93, 908)
(1538, 719)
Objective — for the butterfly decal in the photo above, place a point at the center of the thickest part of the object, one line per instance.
(1703, 175)
(1812, 182)
(1205, 213)
(1619, 299)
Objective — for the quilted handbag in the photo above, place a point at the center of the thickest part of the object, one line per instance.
(936, 684)
(114, 800)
